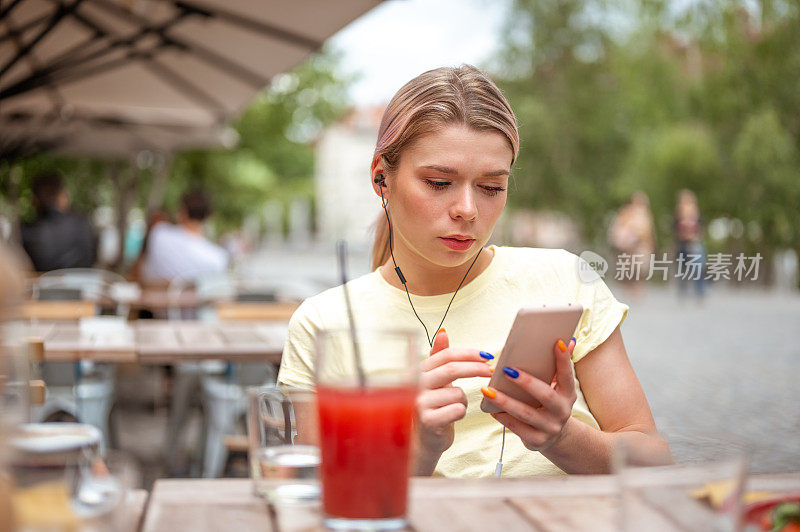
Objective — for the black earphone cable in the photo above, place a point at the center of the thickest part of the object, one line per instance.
(381, 184)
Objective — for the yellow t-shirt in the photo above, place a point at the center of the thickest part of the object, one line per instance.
(480, 318)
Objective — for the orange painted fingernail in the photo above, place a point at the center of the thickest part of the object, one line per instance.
(491, 369)
(440, 331)
(489, 392)
(562, 345)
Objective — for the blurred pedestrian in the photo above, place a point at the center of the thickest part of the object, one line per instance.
(57, 238)
(182, 250)
(688, 226)
(632, 235)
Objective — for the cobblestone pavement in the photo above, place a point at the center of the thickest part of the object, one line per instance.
(721, 374)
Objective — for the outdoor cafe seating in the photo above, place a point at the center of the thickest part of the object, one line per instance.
(83, 388)
(173, 138)
(576, 502)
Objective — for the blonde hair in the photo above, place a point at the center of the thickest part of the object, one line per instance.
(431, 101)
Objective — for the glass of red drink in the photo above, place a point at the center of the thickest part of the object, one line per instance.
(365, 425)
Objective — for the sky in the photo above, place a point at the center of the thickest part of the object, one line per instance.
(400, 39)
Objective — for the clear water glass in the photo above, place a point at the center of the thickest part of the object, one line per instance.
(284, 458)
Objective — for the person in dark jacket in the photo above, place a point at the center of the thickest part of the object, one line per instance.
(57, 238)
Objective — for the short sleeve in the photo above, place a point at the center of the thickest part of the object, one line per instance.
(297, 361)
(602, 313)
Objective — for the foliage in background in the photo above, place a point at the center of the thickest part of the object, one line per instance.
(616, 96)
(273, 158)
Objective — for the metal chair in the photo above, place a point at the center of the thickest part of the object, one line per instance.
(83, 390)
(85, 284)
(224, 397)
(222, 386)
(225, 403)
(187, 376)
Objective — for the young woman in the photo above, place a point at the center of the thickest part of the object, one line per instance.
(446, 145)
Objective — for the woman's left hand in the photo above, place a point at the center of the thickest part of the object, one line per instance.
(539, 427)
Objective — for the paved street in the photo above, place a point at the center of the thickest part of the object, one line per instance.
(722, 374)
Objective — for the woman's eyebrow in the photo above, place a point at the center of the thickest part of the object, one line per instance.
(448, 170)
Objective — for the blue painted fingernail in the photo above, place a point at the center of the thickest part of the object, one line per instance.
(511, 372)
(487, 356)
(574, 340)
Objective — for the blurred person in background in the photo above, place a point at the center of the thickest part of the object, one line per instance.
(632, 233)
(182, 250)
(153, 218)
(57, 238)
(688, 226)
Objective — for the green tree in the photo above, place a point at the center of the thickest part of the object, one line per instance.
(620, 95)
(670, 159)
(566, 98)
(766, 170)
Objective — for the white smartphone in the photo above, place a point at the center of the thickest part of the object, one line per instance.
(529, 348)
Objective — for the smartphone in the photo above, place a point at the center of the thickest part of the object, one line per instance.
(529, 348)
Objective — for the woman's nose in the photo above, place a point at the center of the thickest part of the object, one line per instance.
(464, 206)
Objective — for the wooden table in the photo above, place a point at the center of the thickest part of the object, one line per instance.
(63, 341)
(164, 341)
(570, 503)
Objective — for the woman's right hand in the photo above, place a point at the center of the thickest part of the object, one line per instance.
(439, 403)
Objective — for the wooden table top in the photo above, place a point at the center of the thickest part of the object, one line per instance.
(164, 341)
(566, 503)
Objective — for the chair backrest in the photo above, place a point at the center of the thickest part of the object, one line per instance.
(58, 310)
(252, 311)
(227, 297)
(177, 289)
(59, 294)
(87, 284)
(92, 282)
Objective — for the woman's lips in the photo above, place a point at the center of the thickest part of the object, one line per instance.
(457, 244)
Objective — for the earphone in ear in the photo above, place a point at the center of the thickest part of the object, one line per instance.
(381, 182)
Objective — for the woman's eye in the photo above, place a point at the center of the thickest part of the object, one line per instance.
(493, 191)
(438, 185)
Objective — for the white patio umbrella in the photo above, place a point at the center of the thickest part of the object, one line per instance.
(112, 77)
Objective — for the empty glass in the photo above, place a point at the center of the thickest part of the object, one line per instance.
(698, 496)
(62, 480)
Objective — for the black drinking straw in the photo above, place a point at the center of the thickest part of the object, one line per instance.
(341, 251)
